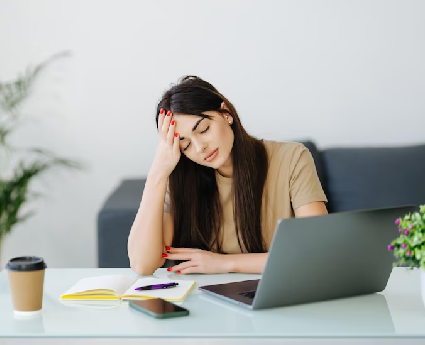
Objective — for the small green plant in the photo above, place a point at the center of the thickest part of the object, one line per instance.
(15, 180)
(409, 246)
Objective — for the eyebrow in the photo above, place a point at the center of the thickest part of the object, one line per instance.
(194, 127)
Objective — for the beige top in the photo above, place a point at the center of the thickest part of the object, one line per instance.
(291, 182)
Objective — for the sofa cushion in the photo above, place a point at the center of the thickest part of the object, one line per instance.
(362, 178)
(114, 223)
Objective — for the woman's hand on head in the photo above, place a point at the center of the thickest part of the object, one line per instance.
(200, 261)
(168, 151)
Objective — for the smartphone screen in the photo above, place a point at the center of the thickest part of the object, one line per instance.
(158, 306)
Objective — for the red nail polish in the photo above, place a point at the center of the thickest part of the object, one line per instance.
(176, 134)
(169, 269)
(172, 122)
(164, 255)
(167, 248)
(178, 272)
(168, 113)
(161, 111)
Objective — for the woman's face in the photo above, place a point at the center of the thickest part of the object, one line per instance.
(206, 141)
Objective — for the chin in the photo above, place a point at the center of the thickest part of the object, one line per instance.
(219, 162)
(214, 165)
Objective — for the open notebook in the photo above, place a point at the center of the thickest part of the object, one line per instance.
(117, 286)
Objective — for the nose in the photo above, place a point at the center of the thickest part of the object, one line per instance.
(199, 146)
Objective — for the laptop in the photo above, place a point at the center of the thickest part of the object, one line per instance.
(321, 258)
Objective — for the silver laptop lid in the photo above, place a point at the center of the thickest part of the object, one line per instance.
(330, 256)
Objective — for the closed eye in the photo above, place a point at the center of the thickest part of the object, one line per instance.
(205, 130)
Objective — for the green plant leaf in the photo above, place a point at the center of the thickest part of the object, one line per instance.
(418, 253)
(14, 93)
(14, 190)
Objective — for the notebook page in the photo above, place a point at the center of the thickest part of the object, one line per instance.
(116, 282)
(92, 304)
(173, 294)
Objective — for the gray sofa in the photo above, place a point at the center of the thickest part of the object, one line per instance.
(352, 178)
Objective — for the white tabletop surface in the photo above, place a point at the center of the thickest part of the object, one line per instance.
(396, 312)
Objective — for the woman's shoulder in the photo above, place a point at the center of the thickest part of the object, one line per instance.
(283, 150)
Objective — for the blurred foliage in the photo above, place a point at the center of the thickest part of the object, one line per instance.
(15, 183)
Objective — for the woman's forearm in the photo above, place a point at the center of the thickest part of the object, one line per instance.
(247, 263)
(145, 242)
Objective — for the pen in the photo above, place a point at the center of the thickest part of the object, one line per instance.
(157, 286)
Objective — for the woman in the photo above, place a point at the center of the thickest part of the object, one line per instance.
(214, 193)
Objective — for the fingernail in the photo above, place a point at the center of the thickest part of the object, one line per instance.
(164, 255)
(161, 111)
(167, 248)
(176, 134)
(168, 113)
(169, 269)
(172, 122)
(178, 272)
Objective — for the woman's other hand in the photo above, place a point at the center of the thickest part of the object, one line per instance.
(200, 261)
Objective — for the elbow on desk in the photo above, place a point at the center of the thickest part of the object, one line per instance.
(144, 269)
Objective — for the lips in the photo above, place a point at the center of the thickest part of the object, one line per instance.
(211, 155)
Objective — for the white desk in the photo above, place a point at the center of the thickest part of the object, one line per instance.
(396, 316)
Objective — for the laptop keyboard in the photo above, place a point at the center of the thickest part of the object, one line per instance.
(249, 294)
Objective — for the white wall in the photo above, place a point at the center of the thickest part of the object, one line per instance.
(339, 72)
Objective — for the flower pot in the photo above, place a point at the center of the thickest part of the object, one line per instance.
(422, 284)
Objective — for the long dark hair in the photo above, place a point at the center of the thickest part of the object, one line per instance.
(194, 197)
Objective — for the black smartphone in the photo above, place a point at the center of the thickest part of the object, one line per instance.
(158, 308)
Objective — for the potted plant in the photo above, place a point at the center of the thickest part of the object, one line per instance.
(29, 163)
(409, 246)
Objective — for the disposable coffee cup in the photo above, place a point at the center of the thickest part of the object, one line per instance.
(26, 279)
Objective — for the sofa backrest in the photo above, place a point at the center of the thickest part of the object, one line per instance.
(374, 177)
